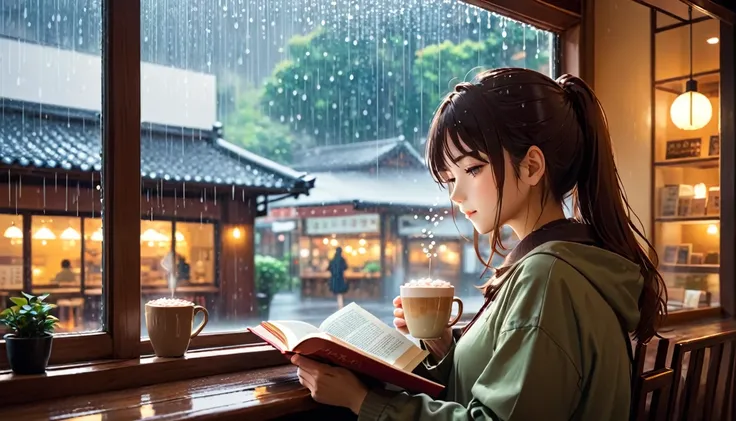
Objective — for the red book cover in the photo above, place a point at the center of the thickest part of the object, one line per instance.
(333, 352)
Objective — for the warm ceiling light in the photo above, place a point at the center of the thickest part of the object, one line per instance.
(13, 232)
(151, 235)
(691, 110)
(70, 234)
(712, 40)
(236, 233)
(44, 234)
(97, 235)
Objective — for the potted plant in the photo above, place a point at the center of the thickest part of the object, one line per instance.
(32, 326)
(272, 275)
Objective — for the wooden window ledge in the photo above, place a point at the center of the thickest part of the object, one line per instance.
(270, 393)
(217, 384)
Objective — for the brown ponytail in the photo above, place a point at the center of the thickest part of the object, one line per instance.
(601, 202)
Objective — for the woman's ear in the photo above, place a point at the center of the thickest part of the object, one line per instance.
(533, 167)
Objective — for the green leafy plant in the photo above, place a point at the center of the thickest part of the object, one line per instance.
(30, 317)
(372, 267)
(272, 276)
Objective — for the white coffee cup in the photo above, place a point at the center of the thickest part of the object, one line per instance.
(427, 309)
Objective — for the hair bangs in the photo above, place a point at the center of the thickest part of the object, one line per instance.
(448, 129)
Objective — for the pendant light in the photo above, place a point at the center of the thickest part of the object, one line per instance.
(691, 110)
(13, 232)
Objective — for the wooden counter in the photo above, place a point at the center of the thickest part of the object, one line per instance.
(361, 285)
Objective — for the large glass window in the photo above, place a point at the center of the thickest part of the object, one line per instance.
(341, 90)
(56, 249)
(11, 253)
(50, 137)
(195, 249)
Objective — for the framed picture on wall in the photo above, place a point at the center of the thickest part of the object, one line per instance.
(714, 146)
(683, 254)
(685, 148)
(670, 255)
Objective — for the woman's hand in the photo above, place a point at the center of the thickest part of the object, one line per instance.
(330, 385)
(438, 348)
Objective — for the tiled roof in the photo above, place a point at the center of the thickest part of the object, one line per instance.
(408, 188)
(354, 156)
(43, 136)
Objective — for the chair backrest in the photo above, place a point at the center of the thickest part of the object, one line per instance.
(656, 382)
(717, 390)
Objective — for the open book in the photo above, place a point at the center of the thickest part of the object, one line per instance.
(357, 340)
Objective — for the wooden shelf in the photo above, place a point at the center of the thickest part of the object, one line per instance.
(701, 163)
(688, 219)
(675, 268)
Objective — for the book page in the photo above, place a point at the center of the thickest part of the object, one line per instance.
(294, 331)
(368, 333)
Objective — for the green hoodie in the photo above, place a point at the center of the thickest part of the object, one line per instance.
(549, 347)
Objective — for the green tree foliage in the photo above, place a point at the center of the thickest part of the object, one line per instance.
(248, 127)
(340, 89)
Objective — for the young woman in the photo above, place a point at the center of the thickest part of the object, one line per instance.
(552, 340)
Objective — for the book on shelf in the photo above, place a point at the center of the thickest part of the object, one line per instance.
(355, 339)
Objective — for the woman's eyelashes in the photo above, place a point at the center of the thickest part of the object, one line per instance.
(474, 170)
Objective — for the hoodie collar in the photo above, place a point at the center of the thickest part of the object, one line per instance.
(559, 230)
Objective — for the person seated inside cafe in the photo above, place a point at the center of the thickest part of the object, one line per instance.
(65, 275)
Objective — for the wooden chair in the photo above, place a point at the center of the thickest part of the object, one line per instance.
(707, 400)
(656, 383)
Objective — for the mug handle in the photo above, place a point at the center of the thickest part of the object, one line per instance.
(459, 311)
(206, 315)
